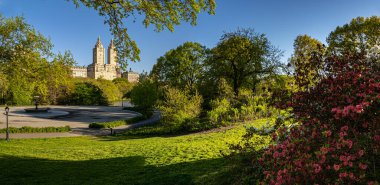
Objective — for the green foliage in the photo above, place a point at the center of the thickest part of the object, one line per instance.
(27, 129)
(85, 93)
(181, 67)
(161, 14)
(144, 94)
(220, 112)
(109, 89)
(123, 85)
(356, 37)
(113, 124)
(24, 64)
(242, 57)
(307, 60)
(179, 109)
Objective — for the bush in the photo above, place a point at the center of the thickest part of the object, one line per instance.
(36, 130)
(179, 109)
(220, 112)
(144, 94)
(113, 124)
(85, 93)
(110, 91)
(338, 141)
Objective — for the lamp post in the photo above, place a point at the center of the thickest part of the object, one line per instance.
(6, 115)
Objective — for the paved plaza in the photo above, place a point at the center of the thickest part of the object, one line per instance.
(73, 116)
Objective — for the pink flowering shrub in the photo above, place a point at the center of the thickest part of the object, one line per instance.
(338, 139)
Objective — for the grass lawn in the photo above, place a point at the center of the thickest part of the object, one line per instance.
(187, 159)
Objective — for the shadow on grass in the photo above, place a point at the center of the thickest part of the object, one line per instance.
(127, 170)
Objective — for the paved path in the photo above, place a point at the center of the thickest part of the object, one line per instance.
(79, 123)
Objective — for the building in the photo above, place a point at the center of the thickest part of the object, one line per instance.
(131, 76)
(79, 71)
(99, 68)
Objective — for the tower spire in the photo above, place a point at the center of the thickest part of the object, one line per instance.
(98, 43)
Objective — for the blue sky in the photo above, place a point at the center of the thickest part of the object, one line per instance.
(76, 29)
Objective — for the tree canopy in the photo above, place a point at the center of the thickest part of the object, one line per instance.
(307, 60)
(242, 57)
(358, 36)
(181, 67)
(161, 14)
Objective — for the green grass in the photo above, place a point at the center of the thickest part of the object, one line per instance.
(113, 124)
(187, 159)
(36, 130)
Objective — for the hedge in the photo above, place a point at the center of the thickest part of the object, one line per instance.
(113, 124)
(36, 130)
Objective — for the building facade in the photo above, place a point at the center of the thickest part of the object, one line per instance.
(79, 71)
(131, 76)
(100, 68)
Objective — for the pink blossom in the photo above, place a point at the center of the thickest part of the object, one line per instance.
(359, 108)
(317, 168)
(362, 166)
(361, 153)
(336, 167)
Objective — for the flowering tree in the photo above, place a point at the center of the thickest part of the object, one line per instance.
(338, 138)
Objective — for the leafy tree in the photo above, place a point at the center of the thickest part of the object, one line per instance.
(161, 14)
(144, 94)
(123, 85)
(355, 37)
(86, 93)
(307, 60)
(58, 75)
(242, 58)
(19, 38)
(181, 67)
(110, 90)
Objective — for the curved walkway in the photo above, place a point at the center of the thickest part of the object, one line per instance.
(79, 121)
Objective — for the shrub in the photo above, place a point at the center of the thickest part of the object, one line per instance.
(144, 94)
(110, 91)
(179, 109)
(220, 112)
(113, 124)
(85, 93)
(36, 130)
(338, 141)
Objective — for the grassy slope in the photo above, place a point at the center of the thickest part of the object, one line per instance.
(188, 159)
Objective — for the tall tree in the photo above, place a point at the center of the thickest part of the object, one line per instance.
(22, 57)
(307, 60)
(355, 37)
(161, 14)
(243, 57)
(181, 67)
(58, 75)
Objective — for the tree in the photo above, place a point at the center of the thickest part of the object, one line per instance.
(144, 94)
(58, 75)
(123, 85)
(355, 37)
(307, 60)
(181, 67)
(23, 53)
(242, 57)
(162, 14)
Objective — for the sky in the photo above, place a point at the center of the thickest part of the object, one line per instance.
(77, 29)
